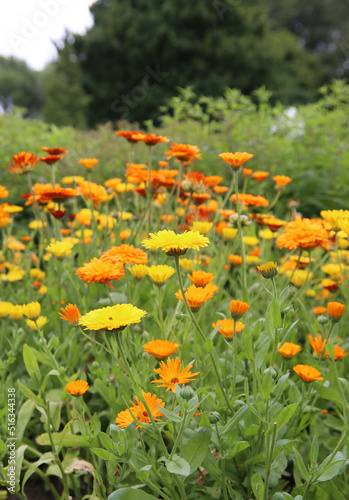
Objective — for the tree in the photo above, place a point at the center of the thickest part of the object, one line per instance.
(139, 51)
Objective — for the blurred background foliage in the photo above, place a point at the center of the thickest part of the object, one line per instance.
(138, 52)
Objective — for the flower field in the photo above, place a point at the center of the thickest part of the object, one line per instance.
(166, 335)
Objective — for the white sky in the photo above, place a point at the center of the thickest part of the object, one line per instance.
(28, 27)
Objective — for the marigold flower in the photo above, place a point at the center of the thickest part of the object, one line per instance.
(281, 180)
(57, 193)
(4, 308)
(88, 163)
(235, 160)
(112, 183)
(77, 388)
(138, 271)
(99, 271)
(260, 175)
(61, 249)
(201, 278)
(227, 327)
(40, 321)
(251, 241)
(236, 260)
(335, 310)
(91, 190)
(229, 233)
(319, 310)
(32, 310)
(160, 274)
(274, 224)
(55, 151)
(238, 308)
(196, 296)
(160, 349)
(268, 270)
(71, 314)
(307, 373)
(186, 264)
(126, 254)
(112, 318)
(185, 153)
(3, 192)
(334, 216)
(303, 233)
(16, 312)
(150, 139)
(220, 189)
(339, 353)
(170, 374)
(22, 163)
(288, 349)
(299, 277)
(138, 411)
(50, 159)
(247, 172)
(175, 244)
(317, 343)
(250, 200)
(329, 284)
(129, 135)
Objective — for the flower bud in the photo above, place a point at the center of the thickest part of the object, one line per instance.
(214, 417)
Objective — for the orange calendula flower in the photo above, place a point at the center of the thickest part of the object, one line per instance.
(281, 180)
(170, 374)
(50, 159)
(335, 311)
(185, 153)
(247, 172)
(307, 373)
(175, 244)
(250, 200)
(88, 163)
(236, 260)
(196, 296)
(77, 388)
(260, 175)
(98, 271)
(317, 343)
(201, 278)
(227, 327)
(129, 135)
(235, 160)
(339, 353)
(71, 314)
(3, 192)
(238, 308)
(112, 318)
(138, 411)
(22, 163)
(318, 310)
(126, 254)
(288, 349)
(58, 194)
(160, 349)
(91, 190)
(54, 151)
(303, 233)
(150, 139)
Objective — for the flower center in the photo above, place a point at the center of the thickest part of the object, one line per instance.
(174, 380)
(145, 414)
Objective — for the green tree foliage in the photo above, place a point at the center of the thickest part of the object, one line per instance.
(139, 51)
(66, 101)
(19, 86)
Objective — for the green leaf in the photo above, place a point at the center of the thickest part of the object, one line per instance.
(19, 461)
(331, 472)
(299, 460)
(329, 393)
(330, 350)
(178, 465)
(214, 332)
(275, 313)
(238, 447)
(64, 432)
(314, 450)
(143, 473)
(30, 395)
(106, 442)
(209, 345)
(332, 491)
(235, 419)
(283, 417)
(24, 416)
(46, 458)
(247, 346)
(31, 364)
(266, 384)
(195, 446)
(257, 486)
(170, 415)
(104, 454)
(130, 494)
(70, 440)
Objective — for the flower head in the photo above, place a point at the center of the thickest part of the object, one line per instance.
(317, 343)
(32, 310)
(98, 271)
(77, 388)
(150, 139)
(160, 349)
(268, 270)
(175, 244)
(40, 322)
(126, 254)
(303, 233)
(260, 175)
(227, 327)
(112, 318)
(160, 274)
(71, 314)
(16, 312)
(281, 180)
(138, 271)
(307, 373)
(138, 411)
(22, 163)
(61, 249)
(235, 160)
(339, 353)
(88, 163)
(319, 310)
(196, 296)
(185, 153)
(201, 278)
(288, 349)
(170, 374)
(55, 151)
(335, 311)
(238, 308)
(250, 200)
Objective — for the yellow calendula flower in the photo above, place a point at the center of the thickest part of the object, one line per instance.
(42, 290)
(112, 318)
(333, 270)
(34, 224)
(268, 270)
(187, 264)
(180, 211)
(106, 222)
(250, 241)
(12, 209)
(32, 310)
(334, 217)
(252, 259)
(160, 274)
(61, 249)
(310, 293)
(41, 322)
(122, 187)
(37, 274)
(16, 312)
(138, 271)
(15, 273)
(175, 244)
(201, 226)
(229, 233)
(266, 234)
(4, 309)
(76, 179)
(299, 277)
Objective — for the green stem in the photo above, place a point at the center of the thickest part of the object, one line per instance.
(65, 494)
(270, 452)
(242, 245)
(161, 316)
